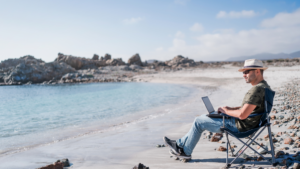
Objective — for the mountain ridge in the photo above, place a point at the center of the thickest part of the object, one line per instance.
(267, 56)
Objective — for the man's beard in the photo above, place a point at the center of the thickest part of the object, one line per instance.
(250, 78)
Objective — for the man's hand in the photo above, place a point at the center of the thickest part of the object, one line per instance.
(222, 109)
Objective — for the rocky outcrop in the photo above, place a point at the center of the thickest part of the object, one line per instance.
(37, 73)
(95, 57)
(115, 62)
(107, 56)
(28, 59)
(135, 60)
(80, 63)
(180, 61)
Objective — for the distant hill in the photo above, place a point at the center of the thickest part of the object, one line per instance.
(267, 56)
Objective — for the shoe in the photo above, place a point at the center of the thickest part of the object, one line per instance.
(172, 144)
(181, 155)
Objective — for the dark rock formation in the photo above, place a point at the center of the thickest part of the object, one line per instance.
(135, 59)
(79, 63)
(95, 57)
(28, 59)
(37, 73)
(107, 56)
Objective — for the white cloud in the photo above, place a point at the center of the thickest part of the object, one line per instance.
(159, 49)
(132, 20)
(277, 35)
(179, 34)
(181, 2)
(197, 27)
(235, 14)
(283, 19)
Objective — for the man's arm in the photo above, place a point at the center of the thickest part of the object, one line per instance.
(233, 108)
(242, 113)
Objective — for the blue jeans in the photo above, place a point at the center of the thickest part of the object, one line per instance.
(202, 123)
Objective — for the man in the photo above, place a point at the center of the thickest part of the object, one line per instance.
(253, 103)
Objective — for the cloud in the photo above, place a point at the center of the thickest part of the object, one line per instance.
(279, 34)
(197, 27)
(234, 14)
(283, 20)
(159, 49)
(179, 34)
(132, 20)
(180, 2)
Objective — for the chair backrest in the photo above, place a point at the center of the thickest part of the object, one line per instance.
(269, 97)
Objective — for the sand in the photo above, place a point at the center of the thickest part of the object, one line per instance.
(127, 145)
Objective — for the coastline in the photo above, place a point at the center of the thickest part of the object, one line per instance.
(125, 147)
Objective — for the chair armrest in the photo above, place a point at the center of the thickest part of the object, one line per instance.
(226, 115)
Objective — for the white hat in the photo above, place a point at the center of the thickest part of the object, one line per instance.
(253, 64)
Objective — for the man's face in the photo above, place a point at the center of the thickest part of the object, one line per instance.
(249, 75)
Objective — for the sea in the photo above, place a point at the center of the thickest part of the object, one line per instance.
(36, 115)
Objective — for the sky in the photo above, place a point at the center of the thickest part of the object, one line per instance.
(156, 29)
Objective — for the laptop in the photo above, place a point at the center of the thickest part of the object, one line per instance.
(211, 111)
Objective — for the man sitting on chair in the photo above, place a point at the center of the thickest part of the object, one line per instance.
(253, 103)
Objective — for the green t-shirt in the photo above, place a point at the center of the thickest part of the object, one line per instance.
(255, 96)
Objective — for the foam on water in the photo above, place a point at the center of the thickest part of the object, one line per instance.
(36, 114)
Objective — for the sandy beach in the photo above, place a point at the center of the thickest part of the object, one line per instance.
(126, 145)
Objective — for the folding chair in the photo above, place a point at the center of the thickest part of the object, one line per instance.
(253, 133)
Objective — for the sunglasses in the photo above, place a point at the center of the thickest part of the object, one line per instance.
(247, 71)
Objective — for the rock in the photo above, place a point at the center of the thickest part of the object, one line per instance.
(65, 162)
(158, 145)
(107, 56)
(37, 73)
(278, 154)
(135, 59)
(216, 137)
(241, 167)
(259, 158)
(296, 165)
(263, 150)
(221, 148)
(275, 122)
(95, 57)
(56, 165)
(115, 62)
(79, 63)
(180, 61)
(273, 117)
(140, 166)
(288, 140)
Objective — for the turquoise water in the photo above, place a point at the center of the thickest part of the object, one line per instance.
(37, 114)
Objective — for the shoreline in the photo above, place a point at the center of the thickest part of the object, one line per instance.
(112, 149)
(113, 124)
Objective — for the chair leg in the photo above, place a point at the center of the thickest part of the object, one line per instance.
(271, 144)
(227, 148)
(227, 165)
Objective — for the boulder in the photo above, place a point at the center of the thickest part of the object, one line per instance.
(37, 73)
(135, 59)
(79, 63)
(288, 140)
(28, 59)
(180, 61)
(221, 148)
(115, 62)
(95, 57)
(107, 56)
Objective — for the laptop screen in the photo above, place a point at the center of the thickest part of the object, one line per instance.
(208, 104)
